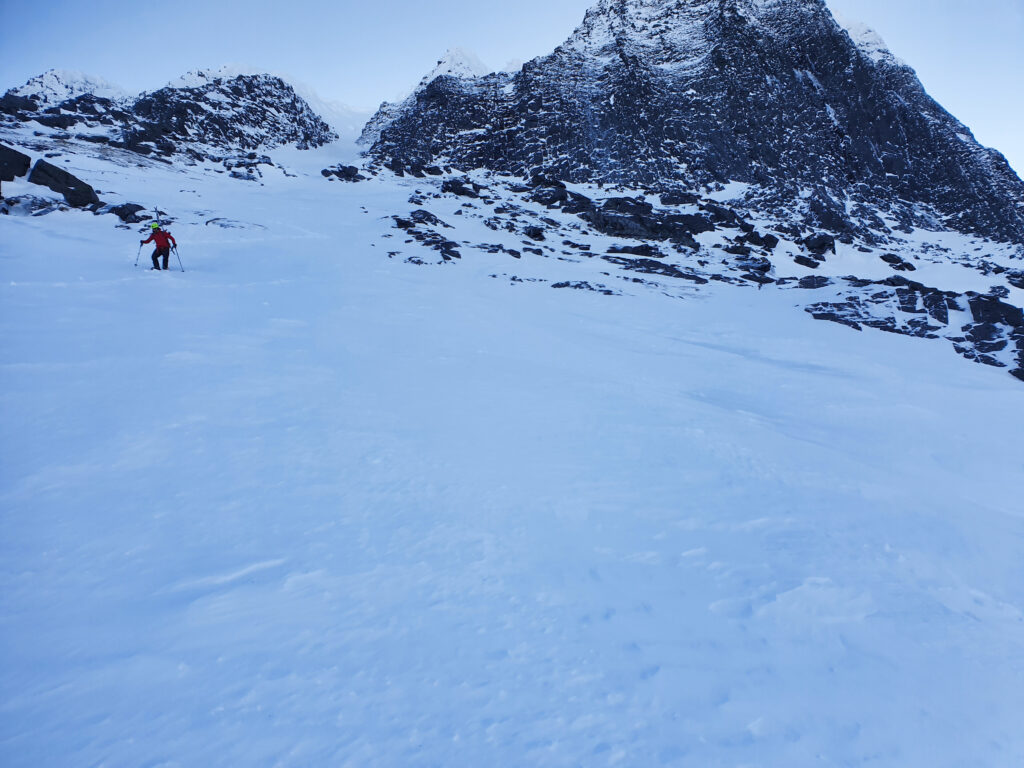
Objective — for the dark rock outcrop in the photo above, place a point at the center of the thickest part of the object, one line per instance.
(212, 112)
(75, 191)
(127, 212)
(13, 164)
(343, 172)
(246, 112)
(670, 95)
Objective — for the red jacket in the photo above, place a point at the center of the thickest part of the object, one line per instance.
(161, 238)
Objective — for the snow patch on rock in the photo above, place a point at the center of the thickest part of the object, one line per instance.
(57, 85)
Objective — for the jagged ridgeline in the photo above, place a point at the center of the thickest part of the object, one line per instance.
(667, 95)
(203, 111)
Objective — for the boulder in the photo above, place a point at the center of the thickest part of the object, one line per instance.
(627, 205)
(813, 282)
(897, 263)
(649, 251)
(761, 241)
(127, 212)
(679, 198)
(819, 243)
(987, 309)
(738, 250)
(12, 104)
(461, 188)
(344, 172)
(13, 164)
(75, 191)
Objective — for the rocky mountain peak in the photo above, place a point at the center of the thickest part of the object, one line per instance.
(457, 62)
(823, 125)
(242, 111)
(58, 85)
(204, 113)
(868, 41)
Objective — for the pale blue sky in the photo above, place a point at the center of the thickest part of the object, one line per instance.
(968, 53)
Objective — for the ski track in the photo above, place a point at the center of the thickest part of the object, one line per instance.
(306, 505)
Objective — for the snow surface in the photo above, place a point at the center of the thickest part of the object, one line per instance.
(306, 505)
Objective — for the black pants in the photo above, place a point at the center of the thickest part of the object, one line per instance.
(165, 252)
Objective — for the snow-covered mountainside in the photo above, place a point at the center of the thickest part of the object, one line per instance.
(203, 114)
(457, 63)
(56, 85)
(873, 258)
(412, 461)
(342, 119)
(828, 131)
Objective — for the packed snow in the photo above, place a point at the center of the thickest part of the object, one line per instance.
(311, 503)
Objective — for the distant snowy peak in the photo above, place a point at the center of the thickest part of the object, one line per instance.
(57, 85)
(202, 113)
(682, 35)
(676, 31)
(460, 63)
(203, 77)
(345, 120)
(868, 42)
(227, 110)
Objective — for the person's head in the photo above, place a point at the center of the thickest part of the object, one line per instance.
(154, 226)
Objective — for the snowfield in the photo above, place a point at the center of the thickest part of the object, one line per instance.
(306, 504)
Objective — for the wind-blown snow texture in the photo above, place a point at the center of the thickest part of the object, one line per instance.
(308, 505)
(437, 468)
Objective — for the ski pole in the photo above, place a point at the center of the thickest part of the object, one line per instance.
(179, 258)
(138, 254)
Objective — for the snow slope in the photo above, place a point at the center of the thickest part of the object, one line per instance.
(306, 504)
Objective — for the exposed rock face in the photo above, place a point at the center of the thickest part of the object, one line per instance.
(76, 192)
(245, 112)
(668, 95)
(207, 117)
(55, 86)
(13, 164)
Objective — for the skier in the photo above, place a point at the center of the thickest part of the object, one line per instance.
(164, 241)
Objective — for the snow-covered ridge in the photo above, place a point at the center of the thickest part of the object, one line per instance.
(867, 40)
(57, 85)
(203, 112)
(202, 77)
(344, 119)
(668, 32)
(457, 62)
(649, 81)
